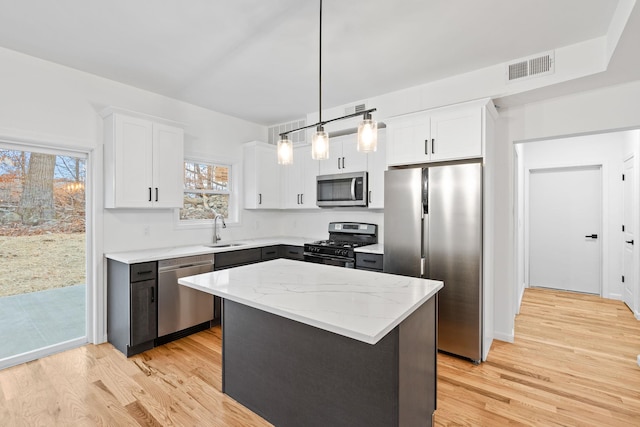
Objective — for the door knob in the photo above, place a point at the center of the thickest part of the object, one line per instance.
(630, 242)
(591, 236)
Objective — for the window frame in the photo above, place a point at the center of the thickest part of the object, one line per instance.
(234, 193)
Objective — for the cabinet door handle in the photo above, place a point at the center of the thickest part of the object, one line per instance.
(301, 199)
(149, 193)
(369, 196)
(343, 163)
(630, 242)
(370, 261)
(259, 198)
(433, 146)
(156, 194)
(338, 162)
(153, 294)
(426, 146)
(140, 273)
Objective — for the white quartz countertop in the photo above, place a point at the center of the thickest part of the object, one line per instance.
(156, 254)
(362, 305)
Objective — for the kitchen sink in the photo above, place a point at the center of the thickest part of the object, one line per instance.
(224, 245)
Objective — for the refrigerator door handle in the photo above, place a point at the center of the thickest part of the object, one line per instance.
(422, 263)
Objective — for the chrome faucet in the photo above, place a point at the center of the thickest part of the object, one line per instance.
(216, 236)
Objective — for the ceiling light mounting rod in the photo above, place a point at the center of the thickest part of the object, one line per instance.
(367, 129)
(320, 69)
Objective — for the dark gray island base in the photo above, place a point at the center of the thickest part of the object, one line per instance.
(294, 375)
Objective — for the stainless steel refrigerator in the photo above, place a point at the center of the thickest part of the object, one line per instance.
(433, 230)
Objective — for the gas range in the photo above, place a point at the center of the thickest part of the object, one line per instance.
(344, 237)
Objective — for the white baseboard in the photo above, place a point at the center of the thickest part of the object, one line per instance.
(500, 336)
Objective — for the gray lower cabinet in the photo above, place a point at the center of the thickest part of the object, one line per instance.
(237, 258)
(132, 307)
(270, 252)
(292, 252)
(366, 261)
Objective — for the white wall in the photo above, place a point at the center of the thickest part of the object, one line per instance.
(599, 149)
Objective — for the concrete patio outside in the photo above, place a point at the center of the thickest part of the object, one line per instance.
(39, 319)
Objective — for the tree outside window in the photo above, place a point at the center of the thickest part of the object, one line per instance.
(207, 191)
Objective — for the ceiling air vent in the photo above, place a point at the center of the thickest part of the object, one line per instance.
(355, 109)
(296, 137)
(531, 67)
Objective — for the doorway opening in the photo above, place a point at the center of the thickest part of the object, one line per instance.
(43, 280)
(604, 151)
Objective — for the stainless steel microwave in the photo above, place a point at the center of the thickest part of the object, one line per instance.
(343, 189)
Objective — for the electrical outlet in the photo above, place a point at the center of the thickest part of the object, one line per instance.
(147, 230)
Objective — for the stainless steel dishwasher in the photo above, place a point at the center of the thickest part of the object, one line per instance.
(182, 310)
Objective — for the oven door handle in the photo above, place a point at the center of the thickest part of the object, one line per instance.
(353, 188)
(327, 257)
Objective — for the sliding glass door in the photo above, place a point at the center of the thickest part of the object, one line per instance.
(42, 252)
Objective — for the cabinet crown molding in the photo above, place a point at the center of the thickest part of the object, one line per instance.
(108, 111)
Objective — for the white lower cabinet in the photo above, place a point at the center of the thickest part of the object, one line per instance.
(261, 176)
(298, 180)
(143, 162)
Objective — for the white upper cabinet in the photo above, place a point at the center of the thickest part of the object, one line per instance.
(143, 162)
(261, 176)
(168, 169)
(456, 133)
(343, 156)
(298, 180)
(447, 133)
(377, 164)
(409, 138)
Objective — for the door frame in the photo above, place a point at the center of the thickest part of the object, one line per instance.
(95, 292)
(604, 217)
(635, 203)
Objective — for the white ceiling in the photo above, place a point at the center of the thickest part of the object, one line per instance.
(258, 60)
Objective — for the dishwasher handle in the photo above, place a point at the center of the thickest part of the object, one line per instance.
(181, 263)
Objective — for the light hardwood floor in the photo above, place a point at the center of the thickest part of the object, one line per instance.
(573, 363)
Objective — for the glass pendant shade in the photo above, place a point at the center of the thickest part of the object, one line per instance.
(285, 151)
(320, 145)
(367, 135)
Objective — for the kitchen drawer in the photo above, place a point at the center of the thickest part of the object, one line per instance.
(270, 252)
(143, 271)
(365, 261)
(292, 252)
(236, 258)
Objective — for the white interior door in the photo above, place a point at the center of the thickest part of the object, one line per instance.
(565, 211)
(628, 234)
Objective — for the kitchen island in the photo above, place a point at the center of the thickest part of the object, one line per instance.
(317, 345)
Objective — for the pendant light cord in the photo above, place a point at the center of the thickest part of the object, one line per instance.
(320, 69)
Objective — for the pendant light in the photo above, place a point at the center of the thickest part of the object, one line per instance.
(367, 129)
(320, 140)
(285, 151)
(367, 135)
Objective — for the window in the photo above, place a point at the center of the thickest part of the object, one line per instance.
(207, 191)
